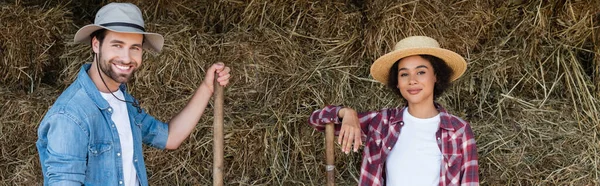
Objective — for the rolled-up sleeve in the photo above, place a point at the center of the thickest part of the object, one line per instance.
(154, 132)
(319, 118)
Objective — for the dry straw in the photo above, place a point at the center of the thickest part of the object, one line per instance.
(30, 38)
(530, 91)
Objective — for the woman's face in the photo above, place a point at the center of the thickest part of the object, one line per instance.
(416, 80)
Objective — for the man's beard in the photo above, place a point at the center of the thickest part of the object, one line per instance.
(105, 67)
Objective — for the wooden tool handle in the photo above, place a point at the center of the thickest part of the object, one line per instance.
(218, 140)
(329, 153)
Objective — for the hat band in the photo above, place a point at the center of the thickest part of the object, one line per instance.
(123, 24)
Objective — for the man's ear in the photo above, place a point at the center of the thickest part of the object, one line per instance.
(95, 45)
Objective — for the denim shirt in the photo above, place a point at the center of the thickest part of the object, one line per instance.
(78, 142)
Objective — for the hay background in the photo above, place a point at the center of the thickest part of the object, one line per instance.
(531, 91)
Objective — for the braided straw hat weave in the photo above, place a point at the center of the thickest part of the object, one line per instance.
(417, 45)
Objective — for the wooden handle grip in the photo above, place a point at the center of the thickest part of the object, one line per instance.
(218, 140)
(329, 153)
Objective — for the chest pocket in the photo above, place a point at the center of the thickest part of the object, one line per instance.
(453, 160)
(453, 167)
(138, 118)
(97, 149)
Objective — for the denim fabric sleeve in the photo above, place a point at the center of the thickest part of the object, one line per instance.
(66, 150)
(154, 132)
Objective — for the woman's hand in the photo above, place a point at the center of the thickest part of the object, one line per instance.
(350, 131)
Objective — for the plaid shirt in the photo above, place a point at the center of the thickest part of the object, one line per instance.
(381, 130)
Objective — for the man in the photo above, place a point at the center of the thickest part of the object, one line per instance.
(93, 133)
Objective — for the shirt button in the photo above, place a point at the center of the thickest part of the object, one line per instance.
(118, 154)
(120, 182)
(135, 160)
(402, 123)
(389, 148)
(109, 109)
(113, 126)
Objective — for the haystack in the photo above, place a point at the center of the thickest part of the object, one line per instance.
(530, 91)
(21, 114)
(30, 44)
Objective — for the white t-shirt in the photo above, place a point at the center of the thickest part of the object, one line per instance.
(415, 159)
(120, 117)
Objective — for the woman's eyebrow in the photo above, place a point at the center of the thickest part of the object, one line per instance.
(420, 66)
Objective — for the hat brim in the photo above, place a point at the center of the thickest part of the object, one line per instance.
(153, 41)
(381, 67)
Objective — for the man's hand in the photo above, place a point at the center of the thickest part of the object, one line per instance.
(223, 78)
(350, 131)
(182, 124)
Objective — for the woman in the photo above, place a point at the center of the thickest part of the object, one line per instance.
(421, 143)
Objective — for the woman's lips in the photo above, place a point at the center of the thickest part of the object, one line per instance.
(413, 91)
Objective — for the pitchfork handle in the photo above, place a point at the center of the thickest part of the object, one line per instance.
(329, 153)
(218, 140)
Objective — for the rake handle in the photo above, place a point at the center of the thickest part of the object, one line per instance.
(218, 140)
(329, 153)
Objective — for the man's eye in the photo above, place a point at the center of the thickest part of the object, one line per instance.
(117, 46)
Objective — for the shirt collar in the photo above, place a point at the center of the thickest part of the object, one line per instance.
(90, 88)
(445, 121)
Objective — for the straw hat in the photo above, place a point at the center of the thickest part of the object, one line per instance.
(417, 45)
(124, 18)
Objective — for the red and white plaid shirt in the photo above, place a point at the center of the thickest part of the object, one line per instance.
(381, 129)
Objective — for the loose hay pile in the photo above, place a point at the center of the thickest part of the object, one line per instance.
(30, 39)
(531, 90)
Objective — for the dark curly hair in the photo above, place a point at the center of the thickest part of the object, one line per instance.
(441, 70)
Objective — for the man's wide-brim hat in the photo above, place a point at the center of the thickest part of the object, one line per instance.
(417, 45)
(124, 18)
